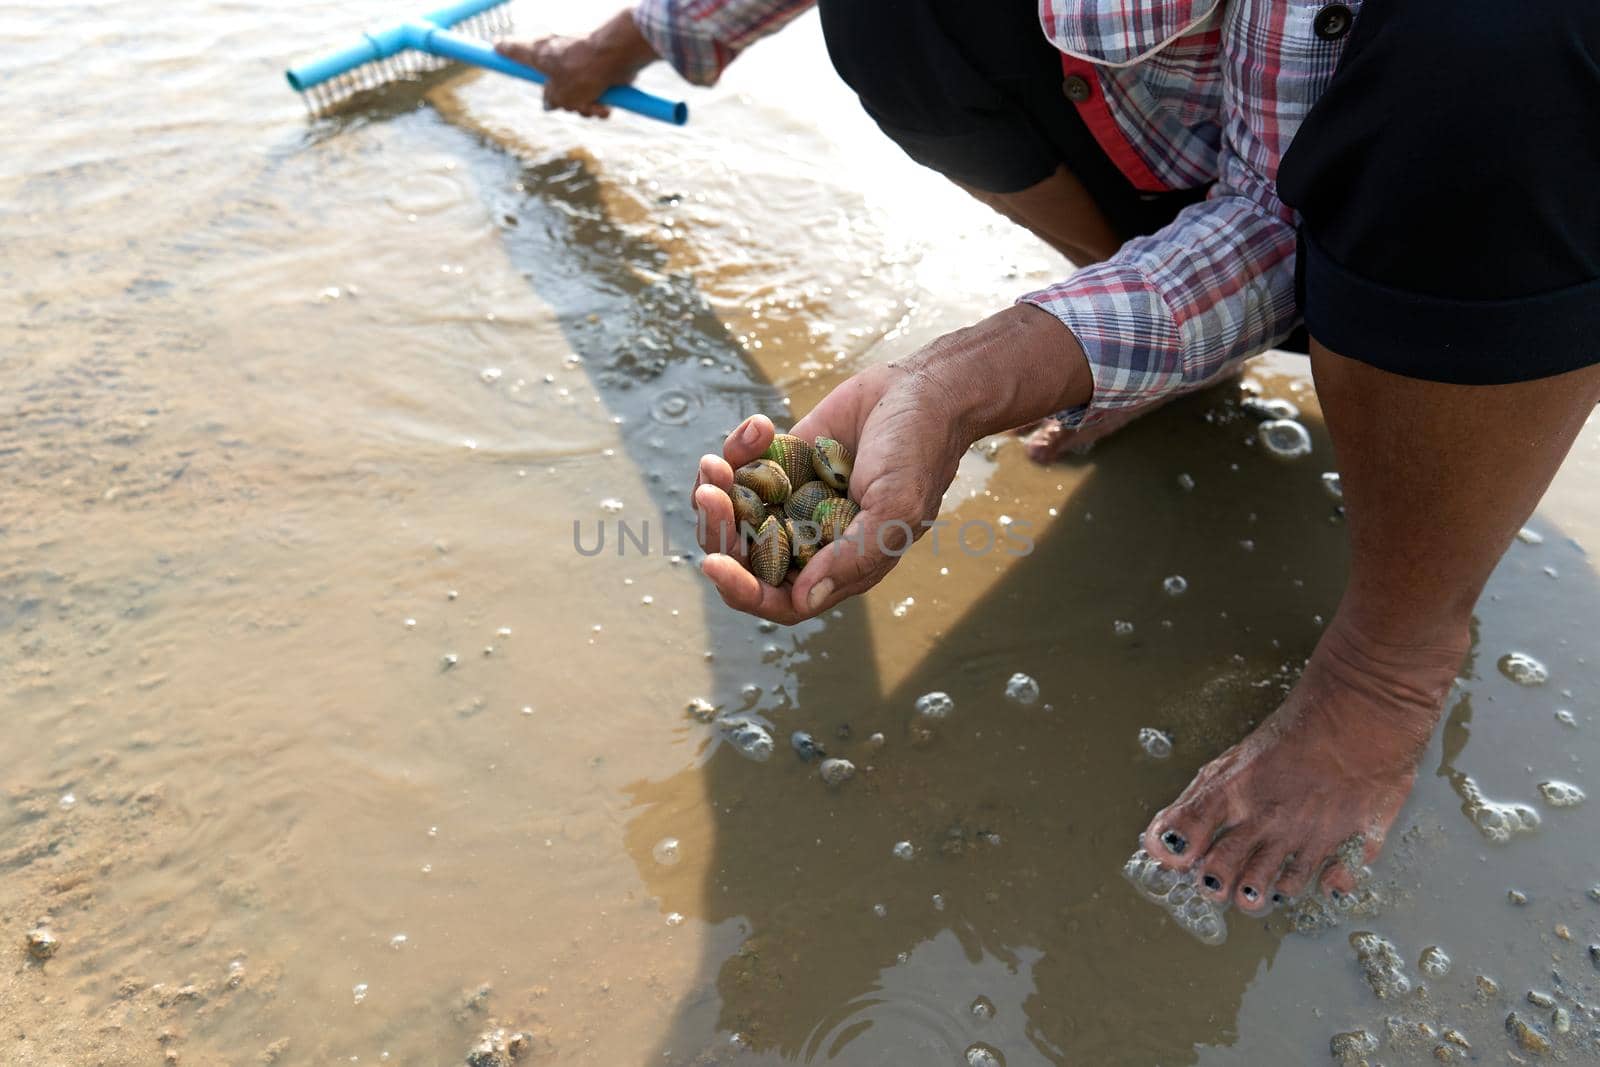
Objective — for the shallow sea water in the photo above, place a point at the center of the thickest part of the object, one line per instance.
(296, 411)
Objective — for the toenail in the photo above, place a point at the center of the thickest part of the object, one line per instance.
(1212, 882)
(1175, 842)
(1277, 898)
(1337, 894)
(1250, 894)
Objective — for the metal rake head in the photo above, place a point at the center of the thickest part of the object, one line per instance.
(407, 65)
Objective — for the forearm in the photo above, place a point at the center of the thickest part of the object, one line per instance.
(1015, 367)
(1175, 310)
(622, 46)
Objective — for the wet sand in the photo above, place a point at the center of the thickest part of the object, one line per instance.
(261, 481)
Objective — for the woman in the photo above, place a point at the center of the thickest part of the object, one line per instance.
(1415, 182)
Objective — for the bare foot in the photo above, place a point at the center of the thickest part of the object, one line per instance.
(1334, 763)
(1048, 441)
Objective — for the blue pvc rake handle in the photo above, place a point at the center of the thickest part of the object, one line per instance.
(428, 34)
(463, 49)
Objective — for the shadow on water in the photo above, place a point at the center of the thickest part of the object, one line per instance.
(824, 946)
(1019, 819)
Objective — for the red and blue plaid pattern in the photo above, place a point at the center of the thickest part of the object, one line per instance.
(1193, 92)
(701, 37)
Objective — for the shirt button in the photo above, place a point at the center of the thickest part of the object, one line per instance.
(1076, 88)
(1333, 22)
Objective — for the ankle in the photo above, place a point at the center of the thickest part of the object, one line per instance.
(1414, 673)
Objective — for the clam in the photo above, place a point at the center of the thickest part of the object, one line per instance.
(769, 556)
(834, 516)
(833, 463)
(766, 479)
(793, 455)
(748, 510)
(805, 538)
(803, 501)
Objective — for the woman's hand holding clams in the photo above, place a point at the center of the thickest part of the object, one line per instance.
(906, 450)
(908, 422)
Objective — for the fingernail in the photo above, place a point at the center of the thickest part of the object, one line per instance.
(1212, 882)
(820, 594)
(1175, 842)
(750, 432)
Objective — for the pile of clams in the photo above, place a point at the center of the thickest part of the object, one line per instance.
(791, 502)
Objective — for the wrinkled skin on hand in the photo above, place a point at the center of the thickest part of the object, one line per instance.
(907, 442)
(579, 69)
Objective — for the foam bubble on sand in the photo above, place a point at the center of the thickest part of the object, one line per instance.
(667, 852)
(1268, 409)
(1284, 439)
(1156, 744)
(1381, 965)
(749, 738)
(981, 1055)
(1524, 669)
(1434, 962)
(935, 705)
(1175, 892)
(1496, 820)
(1022, 689)
(1561, 794)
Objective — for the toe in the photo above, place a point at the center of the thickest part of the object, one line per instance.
(1338, 879)
(1047, 442)
(1180, 834)
(1222, 864)
(1296, 875)
(1258, 879)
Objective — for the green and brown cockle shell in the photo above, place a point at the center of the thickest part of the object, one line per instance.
(804, 500)
(769, 555)
(805, 539)
(833, 463)
(834, 516)
(766, 479)
(791, 502)
(793, 455)
(748, 510)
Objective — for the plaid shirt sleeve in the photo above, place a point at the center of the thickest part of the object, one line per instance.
(701, 37)
(1170, 312)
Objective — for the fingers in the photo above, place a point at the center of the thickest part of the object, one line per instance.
(572, 82)
(848, 566)
(524, 52)
(853, 563)
(748, 440)
(713, 470)
(744, 592)
(716, 529)
(839, 571)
